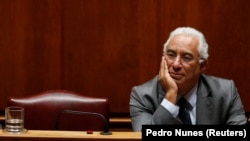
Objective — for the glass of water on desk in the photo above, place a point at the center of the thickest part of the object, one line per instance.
(14, 120)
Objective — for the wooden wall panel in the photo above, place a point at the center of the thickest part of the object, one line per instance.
(112, 55)
(30, 47)
(104, 47)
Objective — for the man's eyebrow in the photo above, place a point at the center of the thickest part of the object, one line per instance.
(187, 53)
(170, 50)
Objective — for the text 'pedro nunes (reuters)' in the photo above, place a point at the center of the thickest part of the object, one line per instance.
(195, 132)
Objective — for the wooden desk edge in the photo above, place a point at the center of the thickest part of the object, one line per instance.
(120, 120)
(112, 120)
(72, 135)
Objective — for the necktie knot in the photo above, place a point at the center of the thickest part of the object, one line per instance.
(182, 102)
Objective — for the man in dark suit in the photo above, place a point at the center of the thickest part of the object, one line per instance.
(211, 100)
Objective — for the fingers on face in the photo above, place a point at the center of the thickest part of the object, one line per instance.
(163, 68)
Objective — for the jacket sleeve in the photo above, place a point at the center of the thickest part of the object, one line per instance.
(145, 109)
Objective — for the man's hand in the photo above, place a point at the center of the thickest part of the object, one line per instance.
(167, 82)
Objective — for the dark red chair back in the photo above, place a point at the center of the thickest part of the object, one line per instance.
(46, 111)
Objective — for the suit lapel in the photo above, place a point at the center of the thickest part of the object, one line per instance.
(204, 106)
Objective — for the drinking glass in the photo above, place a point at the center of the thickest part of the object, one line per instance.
(14, 119)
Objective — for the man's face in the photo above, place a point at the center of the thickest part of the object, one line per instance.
(183, 62)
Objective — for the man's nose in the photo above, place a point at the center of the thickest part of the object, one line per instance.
(177, 61)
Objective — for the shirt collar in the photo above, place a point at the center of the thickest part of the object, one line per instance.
(192, 95)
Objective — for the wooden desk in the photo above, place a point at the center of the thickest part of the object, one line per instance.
(112, 120)
(37, 135)
(116, 124)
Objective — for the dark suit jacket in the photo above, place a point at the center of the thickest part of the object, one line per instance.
(218, 102)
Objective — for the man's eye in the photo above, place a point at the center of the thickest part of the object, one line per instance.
(170, 55)
(186, 58)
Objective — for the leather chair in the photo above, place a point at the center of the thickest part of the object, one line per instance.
(63, 110)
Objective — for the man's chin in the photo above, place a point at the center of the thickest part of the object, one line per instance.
(178, 81)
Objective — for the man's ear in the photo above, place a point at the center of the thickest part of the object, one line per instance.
(203, 65)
